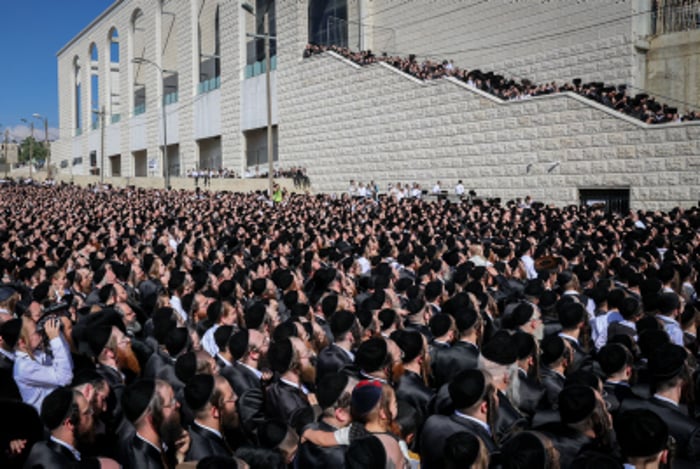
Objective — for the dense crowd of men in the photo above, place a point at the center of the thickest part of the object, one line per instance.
(160, 329)
(640, 105)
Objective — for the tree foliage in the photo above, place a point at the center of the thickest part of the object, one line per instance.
(39, 151)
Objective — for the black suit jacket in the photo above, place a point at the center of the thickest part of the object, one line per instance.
(531, 394)
(413, 390)
(313, 456)
(684, 429)
(450, 362)
(423, 329)
(51, 455)
(142, 455)
(205, 443)
(508, 419)
(567, 441)
(553, 383)
(283, 401)
(6, 363)
(440, 427)
(162, 366)
(240, 378)
(331, 360)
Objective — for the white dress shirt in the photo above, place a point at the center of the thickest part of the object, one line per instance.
(37, 377)
(208, 342)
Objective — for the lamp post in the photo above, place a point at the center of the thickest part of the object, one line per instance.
(31, 145)
(266, 35)
(166, 163)
(46, 143)
(101, 114)
(7, 144)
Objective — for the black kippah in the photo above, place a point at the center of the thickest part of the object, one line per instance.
(9, 331)
(641, 433)
(524, 343)
(612, 358)
(255, 315)
(330, 388)
(410, 343)
(221, 336)
(56, 407)
(525, 449)
(372, 354)
(667, 362)
(280, 355)
(97, 339)
(465, 318)
(553, 348)
(238, 344)
(522, 314)
(576, 403)
(199, 390)
(341, 322)
(462, 449)
(440, 324)
(136, 398)
(501, 349)
(467, 388)
(186, 367)
(177, 341)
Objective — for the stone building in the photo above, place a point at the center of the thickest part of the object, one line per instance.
(193, 62)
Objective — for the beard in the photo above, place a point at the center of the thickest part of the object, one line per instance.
(426, 370)
(308, 374)
(170, 430)
(84, 437)
(126, 359)
(397, 371)
(229, 420)
(134, 327)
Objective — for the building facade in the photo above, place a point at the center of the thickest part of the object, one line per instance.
(193, 62)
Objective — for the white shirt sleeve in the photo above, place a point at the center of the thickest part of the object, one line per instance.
(58, 373)
(342, 436)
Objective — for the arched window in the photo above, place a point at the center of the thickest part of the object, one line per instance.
(94, 85)
(168, 48)
(208, 41)
(328, 22)
(138, 48)
(77, 90)
(114, 98)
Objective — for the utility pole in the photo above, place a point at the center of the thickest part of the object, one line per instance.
(101, 114)
(270, 152)
(102, 147)
(31, 151)
(7, 143)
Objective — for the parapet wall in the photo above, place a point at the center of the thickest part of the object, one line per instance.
(373, 123)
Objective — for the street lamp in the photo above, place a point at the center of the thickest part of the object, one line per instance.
(31, 145)
(46, 143)
(266, 35)
(166, 163)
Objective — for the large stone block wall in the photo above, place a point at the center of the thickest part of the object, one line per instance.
(541, 40)
(373, 123)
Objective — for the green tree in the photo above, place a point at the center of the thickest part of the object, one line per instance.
(39, 151)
